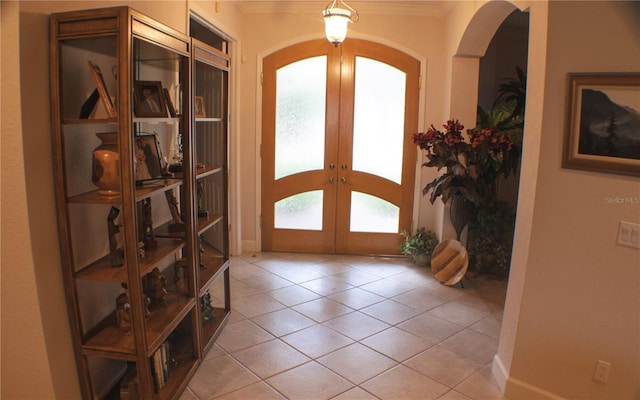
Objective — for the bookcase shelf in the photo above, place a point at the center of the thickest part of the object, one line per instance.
(102, 270)
(96, 121)
(211, 330)
(208, 170)
(142, 192)
(135, 291)
(166, 248)
(212, 265)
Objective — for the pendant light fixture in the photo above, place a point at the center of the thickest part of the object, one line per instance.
(337, 14)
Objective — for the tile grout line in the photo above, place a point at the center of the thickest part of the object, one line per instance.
(434, 342)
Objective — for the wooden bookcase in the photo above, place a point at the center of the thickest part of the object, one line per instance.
(145, 269)
(210, 82)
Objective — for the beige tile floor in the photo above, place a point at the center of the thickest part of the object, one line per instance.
(344, 327)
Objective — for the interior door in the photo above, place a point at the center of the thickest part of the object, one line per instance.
(338, 164)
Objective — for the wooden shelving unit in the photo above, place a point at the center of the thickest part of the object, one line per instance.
(210, 81)
(138, 262)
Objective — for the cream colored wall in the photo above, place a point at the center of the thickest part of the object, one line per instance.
(264, 33)
(223, 16)
(579, 297)
(24, 359)
(37, 355)
(573, 294)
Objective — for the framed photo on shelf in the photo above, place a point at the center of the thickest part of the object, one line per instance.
(199, 107)
(167, 97)
(149, 99)
(148, 165)
(101, 87)
(603, 132)
(89, 105)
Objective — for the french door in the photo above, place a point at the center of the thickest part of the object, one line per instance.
(338, 164)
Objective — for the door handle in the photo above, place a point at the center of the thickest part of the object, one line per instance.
(332, 166)
(343, 167)
(344, 181)
(332, 179)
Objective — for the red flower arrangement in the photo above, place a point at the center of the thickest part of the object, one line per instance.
(471, 167)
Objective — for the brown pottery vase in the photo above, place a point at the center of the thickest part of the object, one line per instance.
(106, 165)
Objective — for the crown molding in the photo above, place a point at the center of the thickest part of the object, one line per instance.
(432, 8)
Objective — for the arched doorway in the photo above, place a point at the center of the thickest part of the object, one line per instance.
(500, 72)
(473, 45)
(337, 163)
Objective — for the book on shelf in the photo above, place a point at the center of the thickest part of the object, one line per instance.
(159, 365)
(164, 355)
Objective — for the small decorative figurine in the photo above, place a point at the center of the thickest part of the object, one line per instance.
(201, 249)
(146, 302)
(180, 265)
(123, 312)
(116, 254)
(141, 252)
(177, 225)
(200, 192)
(206, 311)
(149, 237)
(156, 285)
(175, 151)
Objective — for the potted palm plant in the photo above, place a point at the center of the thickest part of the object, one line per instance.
(419, 245)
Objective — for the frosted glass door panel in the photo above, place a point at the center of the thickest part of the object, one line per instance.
(378, 123)
(372, 214)
(300, 211)
(300, 116)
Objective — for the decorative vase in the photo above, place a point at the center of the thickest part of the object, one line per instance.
(106, 165)
(461, 212)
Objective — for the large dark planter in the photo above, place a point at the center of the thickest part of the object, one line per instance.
(462, 210)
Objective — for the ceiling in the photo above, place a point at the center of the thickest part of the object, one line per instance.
(434, 8)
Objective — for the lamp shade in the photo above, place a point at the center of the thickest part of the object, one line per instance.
(335, 24)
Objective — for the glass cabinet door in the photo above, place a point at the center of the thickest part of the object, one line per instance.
(210, 133)
(162, 178)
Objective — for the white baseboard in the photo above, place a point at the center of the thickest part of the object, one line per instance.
(515, 389)
(499, 373)
(249, 246)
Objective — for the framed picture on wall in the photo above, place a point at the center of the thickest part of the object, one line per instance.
(603, 132)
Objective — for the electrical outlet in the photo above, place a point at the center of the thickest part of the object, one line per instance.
(602, 371)
(629, 235)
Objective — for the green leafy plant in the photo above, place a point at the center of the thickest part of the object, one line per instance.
(507, 112)
(420, 245)
(515, 89)
(491, 239)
